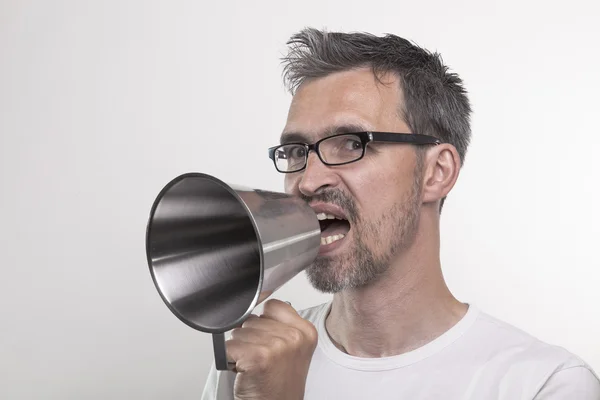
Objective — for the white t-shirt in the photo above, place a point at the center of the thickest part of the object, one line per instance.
(480, 358)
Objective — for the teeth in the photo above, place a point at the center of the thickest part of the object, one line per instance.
(331, 239)
(322, 216)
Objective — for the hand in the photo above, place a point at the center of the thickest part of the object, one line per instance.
(272, 354)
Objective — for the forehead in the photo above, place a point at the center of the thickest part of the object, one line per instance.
(348, 98)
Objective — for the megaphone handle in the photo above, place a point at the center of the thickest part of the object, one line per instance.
(220, 353)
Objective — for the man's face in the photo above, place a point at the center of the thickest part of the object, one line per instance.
(379, 196)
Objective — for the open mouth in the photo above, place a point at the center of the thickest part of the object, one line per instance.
(333, 227)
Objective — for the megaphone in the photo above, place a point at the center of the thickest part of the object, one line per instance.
(216, 251)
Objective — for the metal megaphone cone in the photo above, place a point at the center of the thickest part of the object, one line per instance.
(216, 251)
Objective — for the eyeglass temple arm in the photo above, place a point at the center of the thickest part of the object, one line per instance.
(403, 138)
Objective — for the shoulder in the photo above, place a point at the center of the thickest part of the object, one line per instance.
(525, 358)
(576, 382)
(508, 338)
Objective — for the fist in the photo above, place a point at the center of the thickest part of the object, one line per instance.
(272, 354)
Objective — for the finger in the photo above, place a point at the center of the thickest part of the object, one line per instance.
(283, 312)
(247, 356)
(236, 348)
(250, 335)
(262, 323)
(247, 318)
(269, 329)
(280, 311)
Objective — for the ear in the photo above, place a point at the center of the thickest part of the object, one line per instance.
(442, 166)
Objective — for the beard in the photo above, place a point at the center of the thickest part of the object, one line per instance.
(393, 231)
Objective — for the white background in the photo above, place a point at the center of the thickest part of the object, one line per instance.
(102, 103)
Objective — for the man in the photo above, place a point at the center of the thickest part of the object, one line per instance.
(376, 134)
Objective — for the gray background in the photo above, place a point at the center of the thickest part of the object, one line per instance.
(102, 103)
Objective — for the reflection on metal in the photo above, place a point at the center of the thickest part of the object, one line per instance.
(216, 251)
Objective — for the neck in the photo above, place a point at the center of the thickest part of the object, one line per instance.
(406, 308)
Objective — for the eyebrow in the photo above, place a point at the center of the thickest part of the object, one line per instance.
(293, 137)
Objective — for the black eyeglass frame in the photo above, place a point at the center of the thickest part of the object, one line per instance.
(365, 138)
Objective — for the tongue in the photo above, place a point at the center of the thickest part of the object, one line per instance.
(335, 228)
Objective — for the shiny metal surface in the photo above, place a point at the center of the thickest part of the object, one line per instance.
(215, 251)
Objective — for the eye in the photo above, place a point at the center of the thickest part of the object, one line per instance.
(280, 154)
(297, 152)
(352, 144)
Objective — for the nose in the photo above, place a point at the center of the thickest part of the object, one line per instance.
(317, 176)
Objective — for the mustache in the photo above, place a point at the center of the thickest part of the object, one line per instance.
(338, 198)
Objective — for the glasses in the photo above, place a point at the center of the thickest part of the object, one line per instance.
(339, 149)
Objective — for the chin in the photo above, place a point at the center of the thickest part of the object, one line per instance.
(357, 268)
(325, 277)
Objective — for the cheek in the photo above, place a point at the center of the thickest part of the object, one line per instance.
(290, 184)
(377, 192)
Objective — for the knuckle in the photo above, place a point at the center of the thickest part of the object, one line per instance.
(235, 333)
(278, 343)
(249, 321)
(232, 349)
(262, 357)
(311, 332)
(295, 335)
(270, 305)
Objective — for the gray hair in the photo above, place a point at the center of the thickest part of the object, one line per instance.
(435, 101)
